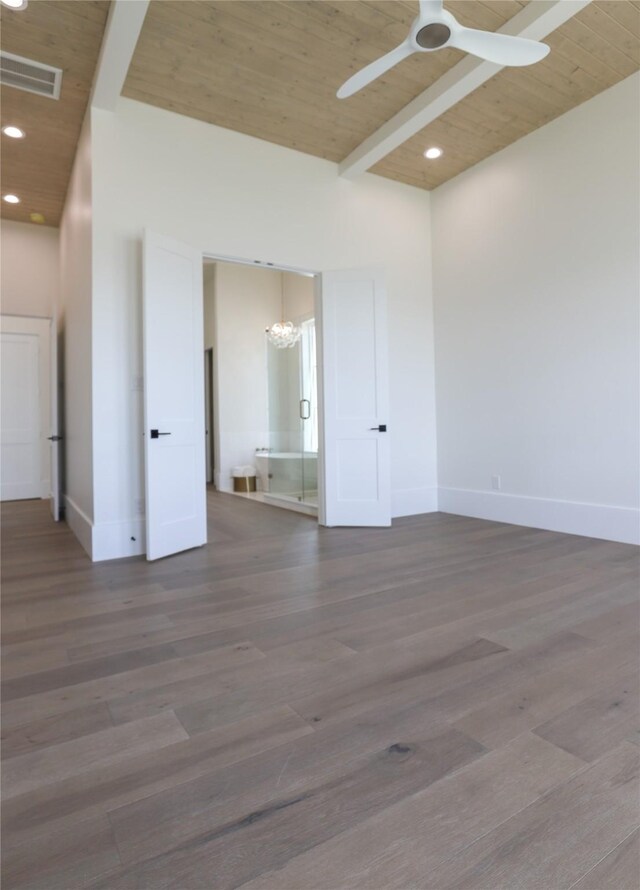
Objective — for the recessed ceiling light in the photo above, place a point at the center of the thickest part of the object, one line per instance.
(14, 132)
(433, 153)
(15, 4)
(11, 199)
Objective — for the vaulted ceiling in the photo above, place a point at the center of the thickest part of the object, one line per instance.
(271, 68)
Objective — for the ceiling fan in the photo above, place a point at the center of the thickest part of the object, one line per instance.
(435, 28)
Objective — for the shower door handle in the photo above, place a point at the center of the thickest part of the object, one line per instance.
(303, 415)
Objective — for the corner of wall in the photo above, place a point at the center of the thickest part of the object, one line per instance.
(413, 501)
(76, 278)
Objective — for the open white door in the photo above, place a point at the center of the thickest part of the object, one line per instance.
(354, 398)
(176, 510)
(55, 449)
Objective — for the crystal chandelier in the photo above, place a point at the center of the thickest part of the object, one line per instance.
(283, 334)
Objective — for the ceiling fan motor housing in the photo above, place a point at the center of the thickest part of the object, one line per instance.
(433, 36)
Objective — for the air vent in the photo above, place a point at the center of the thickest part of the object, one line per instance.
(34, 77)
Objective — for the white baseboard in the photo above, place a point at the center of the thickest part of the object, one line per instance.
(105, 540)
(115, 540)
(571, 517)
(413, 501)
(79, 523)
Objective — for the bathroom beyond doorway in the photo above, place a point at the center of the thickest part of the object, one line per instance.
(264, 412)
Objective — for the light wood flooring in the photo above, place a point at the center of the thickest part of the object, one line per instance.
(449, 703)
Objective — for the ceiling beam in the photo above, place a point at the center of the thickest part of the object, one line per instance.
(120, 38)
(535, 21)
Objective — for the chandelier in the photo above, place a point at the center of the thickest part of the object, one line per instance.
(283, 334)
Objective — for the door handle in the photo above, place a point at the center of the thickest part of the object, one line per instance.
(155, 434)
(54, 438)
(304, 416)
(379, 429)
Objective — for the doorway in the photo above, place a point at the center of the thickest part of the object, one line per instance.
(29, 450)
(264, 417)
(353, 458)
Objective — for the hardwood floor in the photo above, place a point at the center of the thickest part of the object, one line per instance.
(449, 703)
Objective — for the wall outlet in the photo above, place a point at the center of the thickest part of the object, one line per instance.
(140, 506)
(137, 384)
(496, 483)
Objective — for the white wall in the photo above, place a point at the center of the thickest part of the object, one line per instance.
(536, 284)
(76, 319)
(30, 269)
(247, 300)
(230, 194)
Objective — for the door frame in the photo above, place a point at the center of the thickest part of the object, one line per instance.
(41, 327)
(209, 413)
(317, 276)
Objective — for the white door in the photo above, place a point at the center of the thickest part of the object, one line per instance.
(354, 399)
(55, 448)
(21, 433)
(25, 415)
(176, 513)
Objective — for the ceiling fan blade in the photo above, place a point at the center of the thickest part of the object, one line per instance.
(374, 70)
(499, 48)
(430, 8)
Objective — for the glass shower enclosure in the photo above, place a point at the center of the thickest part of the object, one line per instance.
(292, 459)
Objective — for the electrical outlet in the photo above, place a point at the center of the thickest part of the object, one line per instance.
(140, 506)
(496, 483)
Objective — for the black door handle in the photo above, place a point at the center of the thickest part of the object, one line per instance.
(155, 434)
(54, 438)
(380, 429)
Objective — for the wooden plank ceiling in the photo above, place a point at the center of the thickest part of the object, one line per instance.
(271, 68)
(67, 35)
(591, 52)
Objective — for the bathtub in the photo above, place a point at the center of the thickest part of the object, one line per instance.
(281, 471)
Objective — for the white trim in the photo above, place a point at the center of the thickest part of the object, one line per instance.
(258, 264)
(603, 521)
(413, 501)
(80, 524)
(105, 540)
(119, 42)
(535, 22)
(113, 540)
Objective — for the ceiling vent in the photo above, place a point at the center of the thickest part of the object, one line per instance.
(34, 77)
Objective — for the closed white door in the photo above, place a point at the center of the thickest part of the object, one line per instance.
(21, 436)
(176, 514)
(354, 399)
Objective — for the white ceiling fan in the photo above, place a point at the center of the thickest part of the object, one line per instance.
(435, 28)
